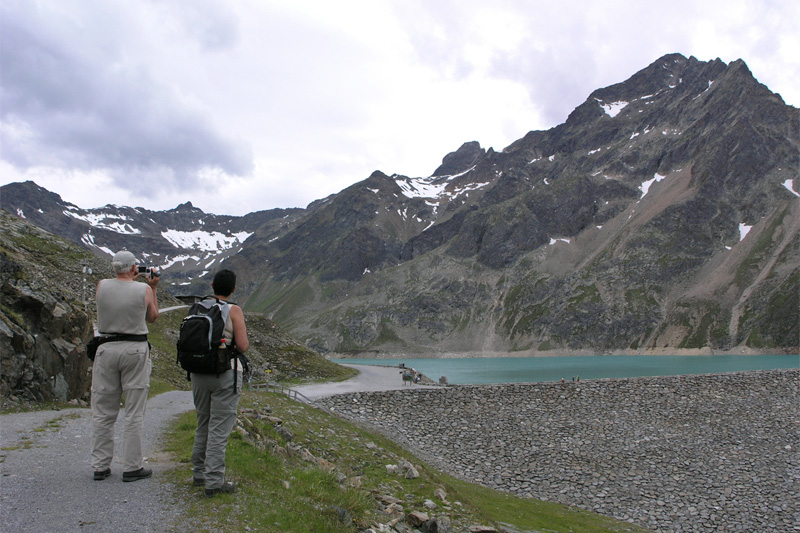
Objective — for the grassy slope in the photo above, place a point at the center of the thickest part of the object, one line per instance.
(282, 490)
(337, 487)
(273, 354)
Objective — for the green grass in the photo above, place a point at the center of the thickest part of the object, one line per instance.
(42, 406)
(280, 490)
(282, 300)
(583, 295)
(759, 252)
(711, 329)
(387, 334)
(270, 349)
(158, 386)
(166, 374)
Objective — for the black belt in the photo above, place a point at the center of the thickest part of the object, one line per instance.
(119, 337)
(91, 346)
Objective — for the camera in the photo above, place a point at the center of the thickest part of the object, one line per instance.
(149, 271)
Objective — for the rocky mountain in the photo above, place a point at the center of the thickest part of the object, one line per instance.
(47, 307)
(185, 241)
(661, 216)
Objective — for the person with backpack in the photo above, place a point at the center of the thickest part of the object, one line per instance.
(216, 395)
(122, 365)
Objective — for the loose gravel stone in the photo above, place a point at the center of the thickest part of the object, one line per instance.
(717, 452)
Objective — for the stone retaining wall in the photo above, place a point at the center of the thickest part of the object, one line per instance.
(690, 453)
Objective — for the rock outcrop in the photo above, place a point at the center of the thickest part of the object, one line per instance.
(44, 323)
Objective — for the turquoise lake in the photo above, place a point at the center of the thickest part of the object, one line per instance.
(484, 370)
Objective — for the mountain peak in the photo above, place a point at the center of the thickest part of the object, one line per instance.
(461, 160)
(621, 229)
(185, 207)
(28, 198)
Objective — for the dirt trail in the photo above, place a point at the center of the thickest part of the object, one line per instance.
(46, 481)
(370, 378)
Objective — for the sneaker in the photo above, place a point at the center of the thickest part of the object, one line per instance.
(226, 488)
(136, 475)
(100, 475)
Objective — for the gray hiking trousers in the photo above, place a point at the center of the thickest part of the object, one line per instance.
(216, 403)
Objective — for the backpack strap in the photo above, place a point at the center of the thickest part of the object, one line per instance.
(224, 308)
(235, 373)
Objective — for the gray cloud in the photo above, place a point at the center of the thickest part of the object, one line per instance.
(282, 103)
(211, 23)
(87, 108)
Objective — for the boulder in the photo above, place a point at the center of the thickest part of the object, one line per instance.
(416, 518)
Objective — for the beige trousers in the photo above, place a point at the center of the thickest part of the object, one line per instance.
(119, 367)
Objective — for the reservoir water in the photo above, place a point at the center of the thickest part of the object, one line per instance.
(484, 370)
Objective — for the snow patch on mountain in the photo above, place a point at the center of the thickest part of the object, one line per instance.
(744, 229)
(645, 187)
(613, 109)
(178, 259)
(88, 240)
(789, 184)
(203, 240)
(106, 221)
(705, 91)
(434, 187)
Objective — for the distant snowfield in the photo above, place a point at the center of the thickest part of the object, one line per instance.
(101, 220)
(612, 109)
(204, 240)
(789, 184)
(744, 229)
(88, 240)
(645, 187)
(434, 187)
(179, 259)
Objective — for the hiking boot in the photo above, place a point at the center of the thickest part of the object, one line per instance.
(100, 475)
(198, 481)
(136, 475)
(226, 488)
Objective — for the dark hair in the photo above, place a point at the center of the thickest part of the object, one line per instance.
(224, 282)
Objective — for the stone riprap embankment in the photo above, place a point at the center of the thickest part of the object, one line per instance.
(689, 453)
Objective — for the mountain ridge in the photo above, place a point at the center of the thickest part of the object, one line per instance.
(620, 230)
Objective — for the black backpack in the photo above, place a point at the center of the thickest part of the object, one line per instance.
(200, 337)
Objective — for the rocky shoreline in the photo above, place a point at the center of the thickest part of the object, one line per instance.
(717, 452)
(649, 352)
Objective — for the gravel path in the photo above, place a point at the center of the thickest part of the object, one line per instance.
(46, 482)
(370, 378)
(46, 479)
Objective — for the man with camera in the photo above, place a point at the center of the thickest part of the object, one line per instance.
(122, 365)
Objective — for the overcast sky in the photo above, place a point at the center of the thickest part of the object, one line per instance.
(243, 105)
